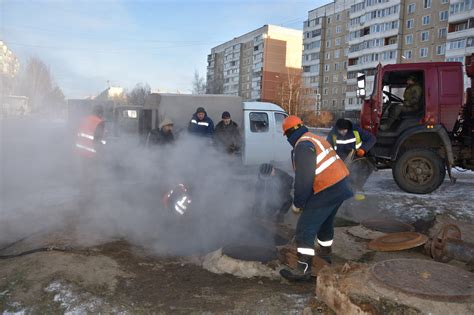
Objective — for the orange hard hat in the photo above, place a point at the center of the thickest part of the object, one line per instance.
(291, 123)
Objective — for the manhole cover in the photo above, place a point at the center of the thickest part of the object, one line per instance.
(425, 278)
(250, 253)
(387, 226)
(398, 241)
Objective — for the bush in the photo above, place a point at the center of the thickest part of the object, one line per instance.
(324, 119)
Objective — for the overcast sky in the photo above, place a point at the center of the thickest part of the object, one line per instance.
(88, 43)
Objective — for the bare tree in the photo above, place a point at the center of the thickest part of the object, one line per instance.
(37, 83)
(292, 95)
(199, 84)
(138, 95)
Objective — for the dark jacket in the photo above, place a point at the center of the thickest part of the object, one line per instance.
(158, 137)
(227, 136)
(343, 150)
(304, 159)
(203, 127)
(273, 194)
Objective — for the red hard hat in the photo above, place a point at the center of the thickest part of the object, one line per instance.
(291, 123)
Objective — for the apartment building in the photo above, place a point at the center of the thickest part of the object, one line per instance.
(9, 68)
(253, 65)
(460, 32)
(325, 53)
(386, 32)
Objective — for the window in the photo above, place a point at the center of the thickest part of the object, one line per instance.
(426, 4)
(444, 1)
(337, 53)
(425, 36)
(423, 52)
(440, 50)
(409, 39)
(279, 117)
(443, 16)
(457, 44)
(334, 90)
(328, 55)
(336, 66)
(338, 17)
(326, 68)
(325, 91)
(442, 32)
(425, 20)
(410, 23)
(338, 29)
(326, 79)
(258, 122)
(335, 78)
(411, 8)
(338, 41)
(328, 44)
(408, 54)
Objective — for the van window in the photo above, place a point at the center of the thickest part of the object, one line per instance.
(258, 122)
(279, 117)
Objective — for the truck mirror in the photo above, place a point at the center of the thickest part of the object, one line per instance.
(360, 85)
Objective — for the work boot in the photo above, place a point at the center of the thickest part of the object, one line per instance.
(302, 272)
(324, 252)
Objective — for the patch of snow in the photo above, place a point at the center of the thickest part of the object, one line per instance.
(75, 304)
(216, 262)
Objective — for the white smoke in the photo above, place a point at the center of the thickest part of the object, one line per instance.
(41, 191)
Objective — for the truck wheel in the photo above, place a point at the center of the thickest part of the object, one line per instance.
(419, 171)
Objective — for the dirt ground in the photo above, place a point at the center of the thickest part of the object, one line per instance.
(118, 278)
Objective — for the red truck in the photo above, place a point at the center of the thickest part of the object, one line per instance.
(421, 146)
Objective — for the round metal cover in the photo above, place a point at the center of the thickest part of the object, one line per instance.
(250, 253)
(398, 241)
(425, 278)
(387, 226)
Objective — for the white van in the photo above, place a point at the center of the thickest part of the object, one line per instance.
(260, 122)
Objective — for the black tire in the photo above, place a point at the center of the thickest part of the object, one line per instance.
(419, 171)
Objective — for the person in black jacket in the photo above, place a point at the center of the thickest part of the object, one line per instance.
(200, 124)
(162, 135)
(273, 193)
(227, 134)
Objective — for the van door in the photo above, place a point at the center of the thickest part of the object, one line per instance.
(281, 147)
(258, 137)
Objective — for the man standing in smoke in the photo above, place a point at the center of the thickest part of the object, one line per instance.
(227, 135)
(200, 124)
(162, 135)
(89, 143)
(321, 186)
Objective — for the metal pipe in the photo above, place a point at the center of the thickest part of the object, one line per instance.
(460, 250)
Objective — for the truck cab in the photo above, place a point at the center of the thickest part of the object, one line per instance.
(418, 145)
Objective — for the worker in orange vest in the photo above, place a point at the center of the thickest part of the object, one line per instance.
(89, 141)
(90, 136)
(320, 188)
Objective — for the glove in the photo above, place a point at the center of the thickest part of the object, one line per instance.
(360, 152)
(295, 209)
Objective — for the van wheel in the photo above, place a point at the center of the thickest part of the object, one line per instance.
(419, 171)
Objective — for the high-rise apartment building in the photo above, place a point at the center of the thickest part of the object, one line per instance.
(254, 64)
(378, 31)
(9, 64)
(460, 32)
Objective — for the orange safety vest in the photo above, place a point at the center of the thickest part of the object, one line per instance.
(330, 169)
(85, 142)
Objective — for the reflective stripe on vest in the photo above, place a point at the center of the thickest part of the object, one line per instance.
(200, 123)
(356, 139)
(330, 169)
(85, 141)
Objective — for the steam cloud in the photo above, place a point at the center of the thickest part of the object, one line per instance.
(41, 180)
